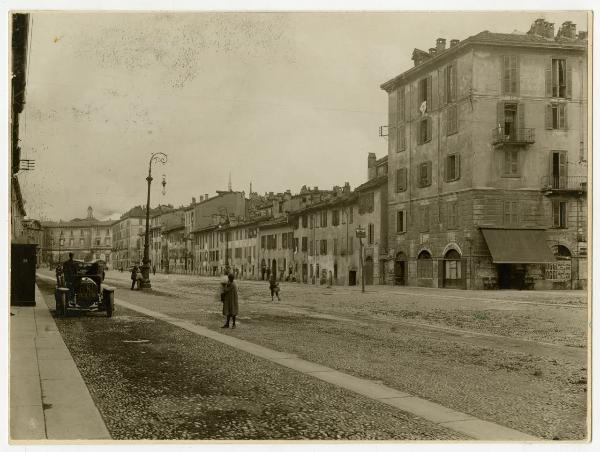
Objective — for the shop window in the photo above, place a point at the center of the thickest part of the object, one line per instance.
(424, 265)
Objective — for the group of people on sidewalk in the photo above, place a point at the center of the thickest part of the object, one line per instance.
(229, 296)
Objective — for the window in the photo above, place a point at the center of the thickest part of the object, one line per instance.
(400, 180)
(559, 214)
(304, 221)
(511, 162)
(452, 120)
(335, 217)
(263, 242)
(401, 138)
(558, 78)
(311, 250)
(81, 241)
(452, 215)
(452, 265)
(510, 74)
(323, 247)
(305, 244)
(350, 215)
(350, 245)
(556, 116)
(424, 130)
(511, 213)
(312, 221)
(424, 265)
(335, 247)
(324, 219)
(284, 241)
(452, 167)
(558, 169)
(424, 218)
(400, 221)
(98, 241)
(450, 80)
(424, 174)
(366, 203)
(371, 234)
(424, 94)
(401, 104)
(70, 242)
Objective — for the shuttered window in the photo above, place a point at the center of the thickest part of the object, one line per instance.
(511, 162)
(401, 104)
(559, 213)
(450, 83)
(424, 218)
(401, 138)
(424, 130)
(452, 120)
(401, 221)
(424, 95)
(371, 234)
(556, 116)
(452, 217)
(401, 184)
(424, 174)
(452, 167)
(511, 213)
(510, 74)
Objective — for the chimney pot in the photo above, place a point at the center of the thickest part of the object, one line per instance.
(432, 51)
(193, 200)
(440, 44)
(582, 35)
(454, 42)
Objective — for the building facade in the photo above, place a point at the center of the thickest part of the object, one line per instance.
(487, 162)
(128, 238)
(87, 238)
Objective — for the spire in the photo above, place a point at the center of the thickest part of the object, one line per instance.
(250, 187)
(229, 185)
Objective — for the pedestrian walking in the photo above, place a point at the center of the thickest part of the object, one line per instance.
(134, 272)
(154, 269)
(274, 286)
(230, 301)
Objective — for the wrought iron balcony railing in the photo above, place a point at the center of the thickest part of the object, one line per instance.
(515, 136)
(564, 183)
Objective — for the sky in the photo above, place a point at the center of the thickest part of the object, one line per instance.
(279, 100)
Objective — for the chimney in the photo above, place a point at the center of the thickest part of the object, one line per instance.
(582, 35)
(567, 30)
(347, 187)
(454, 42)
(371, 165)
(548, 30)
(193, 200)
(432, 51)
(205, 196)
(440, 45)
(537, 28)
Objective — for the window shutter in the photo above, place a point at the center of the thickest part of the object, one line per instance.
(401, 108)
(555, 213)
(521, 118)
(442, 77)
(569, 80)
(505, 76)
(564, 116)
(514, 75)
(429, 93)
(549, 116)
(401, 138)
(419, 135)
(428, 173)
(403, 178)
(548, 73)
(393, 120)
(457, 167)
(446, 165)
(454, 79)
(500, 115)
(435, 94)
(562, 163)
(428, 128)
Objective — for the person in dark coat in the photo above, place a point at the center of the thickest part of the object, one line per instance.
(274, 286)
(69, 272)
(230, 303)
(134, 273)
(154, 269)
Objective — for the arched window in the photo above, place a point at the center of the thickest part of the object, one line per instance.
(452, 267)
(424, 265)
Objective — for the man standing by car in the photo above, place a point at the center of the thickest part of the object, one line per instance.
(69, 271)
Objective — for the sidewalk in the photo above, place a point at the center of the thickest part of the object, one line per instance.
(48, 398)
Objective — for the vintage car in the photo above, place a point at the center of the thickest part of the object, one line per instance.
(85, 292)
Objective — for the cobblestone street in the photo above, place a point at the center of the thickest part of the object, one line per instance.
(513, 358)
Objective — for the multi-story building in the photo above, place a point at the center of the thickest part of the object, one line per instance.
(128, 238)
(174, 254)
(275, 242)
(87, 238)
(240, 247)
(487, 162)
(157, 216)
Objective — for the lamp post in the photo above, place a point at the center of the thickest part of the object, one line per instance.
(160, 157)
(60, 242)
(360, 234)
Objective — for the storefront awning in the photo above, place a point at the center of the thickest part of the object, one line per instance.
(518, 246)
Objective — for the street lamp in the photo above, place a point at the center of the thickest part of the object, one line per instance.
(160, 157)
(360, 234)
(60, 242)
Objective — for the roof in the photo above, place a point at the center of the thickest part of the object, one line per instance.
(77, 223)
(331, 202)
(281, 221)
(488, 38)
(172, 227)
(373, 183)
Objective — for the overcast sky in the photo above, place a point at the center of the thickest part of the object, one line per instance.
(279, 100)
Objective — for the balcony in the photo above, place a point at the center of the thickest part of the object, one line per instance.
(513, 136)
(564, 184)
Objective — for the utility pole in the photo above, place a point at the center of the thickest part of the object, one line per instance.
(360, 234)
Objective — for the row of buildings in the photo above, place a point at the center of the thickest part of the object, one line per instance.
(484, 186)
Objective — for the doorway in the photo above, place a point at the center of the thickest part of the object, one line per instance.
(400, 269)
(352, 278)
(453, 277)
(511, 276)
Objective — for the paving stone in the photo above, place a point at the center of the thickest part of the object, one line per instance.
(27, 422)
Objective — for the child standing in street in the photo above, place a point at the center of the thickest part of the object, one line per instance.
(274, 286)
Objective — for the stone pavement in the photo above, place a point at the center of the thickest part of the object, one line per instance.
(48, 398)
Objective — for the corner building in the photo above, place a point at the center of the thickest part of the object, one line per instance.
(487, 162)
